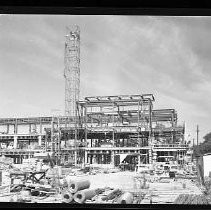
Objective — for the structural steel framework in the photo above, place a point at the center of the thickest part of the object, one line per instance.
(128, 116)
(106, 126)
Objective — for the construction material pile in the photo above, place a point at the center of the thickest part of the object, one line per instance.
(191, 199)
(168, 190)
(78, 190)
(29, 192)
(5, 163)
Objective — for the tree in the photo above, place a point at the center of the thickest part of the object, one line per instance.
(207, 138)
(204, 147)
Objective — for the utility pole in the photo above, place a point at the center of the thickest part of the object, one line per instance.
(197, 135)
(193, 142)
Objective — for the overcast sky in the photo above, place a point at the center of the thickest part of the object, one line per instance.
(166, 56)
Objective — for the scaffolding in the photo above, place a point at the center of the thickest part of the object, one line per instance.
(72, 70)
(72, 80)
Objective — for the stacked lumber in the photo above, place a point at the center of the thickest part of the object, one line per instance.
(191, 199)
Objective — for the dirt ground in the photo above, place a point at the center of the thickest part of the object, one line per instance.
(121, 180)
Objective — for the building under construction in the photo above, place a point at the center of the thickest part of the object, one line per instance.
(106, 130)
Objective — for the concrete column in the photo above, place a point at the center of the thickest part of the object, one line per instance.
(15, 142)
(39, 140)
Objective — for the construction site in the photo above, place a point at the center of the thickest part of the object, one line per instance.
(104, 149)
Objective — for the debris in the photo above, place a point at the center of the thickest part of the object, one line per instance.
(191, 199)
(112, 195)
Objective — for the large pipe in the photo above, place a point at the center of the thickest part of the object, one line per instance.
(83, 195)
(75, 186)
(126, 198)
(67, 197)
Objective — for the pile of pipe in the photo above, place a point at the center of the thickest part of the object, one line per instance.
(78, 191)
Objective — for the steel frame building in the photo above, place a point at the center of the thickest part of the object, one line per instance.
(107, 128)
(127, 124)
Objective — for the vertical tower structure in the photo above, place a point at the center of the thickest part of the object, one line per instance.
(72, 70)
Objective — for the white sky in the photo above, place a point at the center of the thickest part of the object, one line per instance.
(166, 56)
